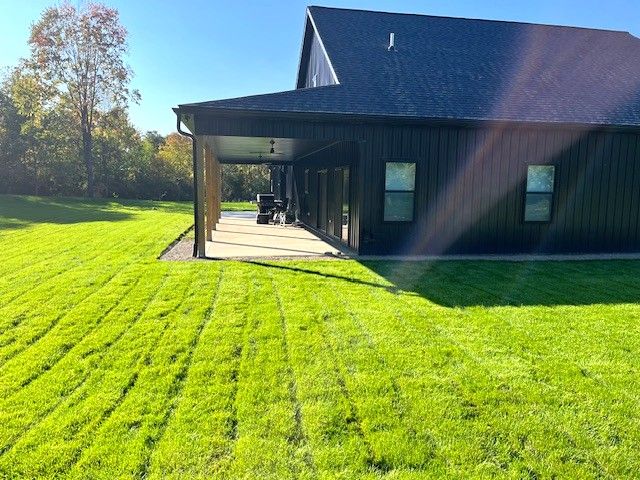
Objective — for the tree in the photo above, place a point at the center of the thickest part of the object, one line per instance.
(31, 99)
(171, 171)
(175, 151)
(153, 140)
(243, 182)
(119, 155)
(80, 53)
(41, 153)
(12, 171)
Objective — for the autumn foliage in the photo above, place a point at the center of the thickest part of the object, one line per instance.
(79, 54)
(65, 127)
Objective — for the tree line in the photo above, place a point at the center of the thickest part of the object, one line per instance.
(65, 127)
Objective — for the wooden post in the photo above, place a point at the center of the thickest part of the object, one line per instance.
(216, 188)
(219, 192)
(215, 182)
(210, 192)
(200, 199)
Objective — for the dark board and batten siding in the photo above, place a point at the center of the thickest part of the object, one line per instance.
(471, 182)
(470, 188)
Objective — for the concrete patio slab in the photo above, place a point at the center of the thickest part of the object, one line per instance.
(238, 236)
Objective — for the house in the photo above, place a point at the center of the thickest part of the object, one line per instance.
(417, 134)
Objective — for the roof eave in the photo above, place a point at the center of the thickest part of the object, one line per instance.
(399, 119)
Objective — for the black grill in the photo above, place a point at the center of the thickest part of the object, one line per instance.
(266, 207)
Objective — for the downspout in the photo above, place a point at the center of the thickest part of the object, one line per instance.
(195, 184)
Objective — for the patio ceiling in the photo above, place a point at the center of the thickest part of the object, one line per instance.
(231, 149)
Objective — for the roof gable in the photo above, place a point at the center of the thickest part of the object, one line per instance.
(314, 57)
(455, 68)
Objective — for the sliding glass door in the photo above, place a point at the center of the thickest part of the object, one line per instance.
(333, 203)
(322, 201)
(344, 231)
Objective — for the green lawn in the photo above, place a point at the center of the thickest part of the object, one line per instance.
(116, 365)
(238, 206)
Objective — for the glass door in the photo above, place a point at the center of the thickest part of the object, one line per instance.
(344, 236)
(322, 200)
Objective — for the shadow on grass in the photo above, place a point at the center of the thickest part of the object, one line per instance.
(352, 280)
(18, 211)
(495, 284)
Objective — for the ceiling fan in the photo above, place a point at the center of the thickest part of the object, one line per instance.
(272, 151)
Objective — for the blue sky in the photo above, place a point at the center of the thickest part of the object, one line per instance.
(203, 50)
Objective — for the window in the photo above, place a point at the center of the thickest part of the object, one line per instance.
(306, 181)
(399, 190)
(539, 196)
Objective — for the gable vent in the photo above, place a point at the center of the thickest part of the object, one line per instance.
(392, 42)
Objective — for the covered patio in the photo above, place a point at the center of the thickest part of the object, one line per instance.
(237, 236)
(287, 149)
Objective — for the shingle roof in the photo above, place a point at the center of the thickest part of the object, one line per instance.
(456, 68)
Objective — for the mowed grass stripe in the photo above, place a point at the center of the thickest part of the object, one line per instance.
(329, 416)
(539, 395)
(39, 275)
(115, 373)
(53, 241)
(580, 368)
(51, 299)
(180, 378)
(299, 437)
(77, 241)
(53, 222)
(370, 340)
(58, 344)
(124, 239)
(59, 332)
(469, 374)
(64, 288)
(22, 249)
(65, 386)
(266, 445)
(414, 330)
(123, 443)
(35, 255)
(466, 372)
(45, 305)
(95, 343)
(517, 279)
(66, 272)
(201, 432)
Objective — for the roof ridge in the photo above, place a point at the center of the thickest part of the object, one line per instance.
(548, 25)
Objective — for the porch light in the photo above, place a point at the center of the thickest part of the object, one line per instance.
(272, 142)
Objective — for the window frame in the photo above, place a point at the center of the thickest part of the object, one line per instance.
(385, 191)
(551, 194)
